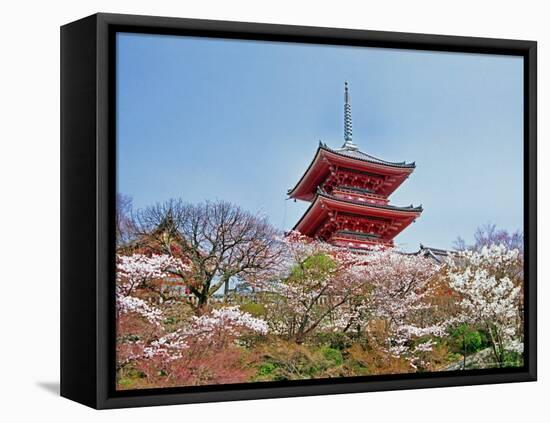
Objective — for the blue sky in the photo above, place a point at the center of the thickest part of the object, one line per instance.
(202, 118)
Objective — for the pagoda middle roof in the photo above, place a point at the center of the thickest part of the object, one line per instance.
(351, 158)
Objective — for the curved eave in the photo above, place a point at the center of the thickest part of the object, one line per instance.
(318, 169)
(370, 159)
(318, 210)
(406, 209)
(438, 251)
(291, 192)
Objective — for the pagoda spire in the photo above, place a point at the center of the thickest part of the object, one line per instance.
(348, 131)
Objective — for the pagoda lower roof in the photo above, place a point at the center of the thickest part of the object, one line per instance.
(346, 158)
(325, 203)
(411, 208)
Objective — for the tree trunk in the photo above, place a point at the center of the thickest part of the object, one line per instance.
(494, 345)
(202, 300)
(226, 289)
(464, 348)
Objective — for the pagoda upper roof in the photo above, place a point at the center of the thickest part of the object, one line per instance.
(351, 158)
(355, 153)
(324, 203)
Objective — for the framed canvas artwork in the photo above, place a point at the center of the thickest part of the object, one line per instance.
(255, 211)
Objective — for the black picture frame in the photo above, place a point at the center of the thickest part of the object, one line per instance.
(88, 200)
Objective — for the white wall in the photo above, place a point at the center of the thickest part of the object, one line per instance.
(29, 174)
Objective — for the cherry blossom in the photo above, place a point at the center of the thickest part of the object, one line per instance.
(329, 288)
(139, 269)
(129, 304)
(310, 287)
(136, 270)
(217, 327)
(489, 297)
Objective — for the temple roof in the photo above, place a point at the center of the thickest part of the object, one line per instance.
(347, 157)
(410, 208)
(437, 254)
(355, 153)
(323, 202)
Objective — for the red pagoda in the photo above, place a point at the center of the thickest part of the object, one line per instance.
(349, 190)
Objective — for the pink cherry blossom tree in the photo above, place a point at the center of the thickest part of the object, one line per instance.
(332, 289)
(145, 344)
(311, 286)
(139, 269)
(136, 271)
(214, 330)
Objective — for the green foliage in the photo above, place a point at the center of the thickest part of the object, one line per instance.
(467, 339)
(472, 341)
(290, 361)
(453, 356)
(266, 369)
(332, 355)
(485, 341)
(130, 378)
(255, 309)
(512, 359)
(125, 382)
(315, 267)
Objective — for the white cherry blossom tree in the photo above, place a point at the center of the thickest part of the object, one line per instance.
(399, 285)
(489, 283)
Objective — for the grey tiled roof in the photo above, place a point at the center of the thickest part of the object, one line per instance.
(437, 254)
(438, 251)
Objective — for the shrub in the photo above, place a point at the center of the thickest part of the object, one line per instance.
(284, 360)
(465, 339)
(513, 359)
(266, 369)
(332, 355)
